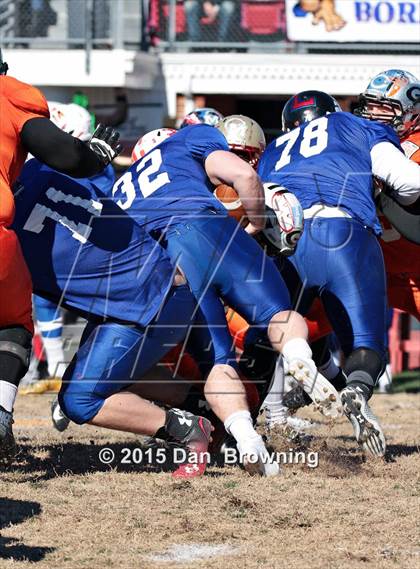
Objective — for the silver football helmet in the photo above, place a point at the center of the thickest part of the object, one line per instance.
(392, 97)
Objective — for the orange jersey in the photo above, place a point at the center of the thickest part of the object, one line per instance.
(316, 320)
(19, 102)
(411, 146)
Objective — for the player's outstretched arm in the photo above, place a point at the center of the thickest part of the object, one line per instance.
(397, 171)
(223, 167)
(406, 222)
(63, 152)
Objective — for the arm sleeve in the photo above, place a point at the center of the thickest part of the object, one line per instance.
(397, 171)
(202, 140)
(59, 150)
(405, 222)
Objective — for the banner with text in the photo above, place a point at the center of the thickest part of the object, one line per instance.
(385, 21)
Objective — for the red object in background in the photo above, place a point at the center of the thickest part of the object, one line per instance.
(181, 24)
(263, 18)
(158, 9)
(404, 343)
(38, 347)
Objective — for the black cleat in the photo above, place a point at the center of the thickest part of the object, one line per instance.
(7, 440)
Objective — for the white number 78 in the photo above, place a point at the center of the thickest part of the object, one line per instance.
(316, 130)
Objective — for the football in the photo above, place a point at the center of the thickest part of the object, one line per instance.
(228, 196)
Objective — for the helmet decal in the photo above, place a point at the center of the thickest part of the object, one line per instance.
(299, 102)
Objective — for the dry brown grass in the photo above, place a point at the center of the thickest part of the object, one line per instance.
(61, 509)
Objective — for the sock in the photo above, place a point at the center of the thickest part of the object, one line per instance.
(239, 425)
(55, 356)
(330, 369)
(362, 380)
(296, 348)
(276, 412)
(8, 393)
(276, 390)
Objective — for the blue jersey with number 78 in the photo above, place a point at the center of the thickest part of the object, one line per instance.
(327, 161)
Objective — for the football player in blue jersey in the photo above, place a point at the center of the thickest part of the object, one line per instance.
(74, 120)
(84, 253)
(327, 158)
(280, 236)
(170, 192)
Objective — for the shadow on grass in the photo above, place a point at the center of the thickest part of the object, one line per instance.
(44, 462)
(16, 512)
(395, 451)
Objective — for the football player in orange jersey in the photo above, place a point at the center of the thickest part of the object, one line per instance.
(25, 127)
(393, 97)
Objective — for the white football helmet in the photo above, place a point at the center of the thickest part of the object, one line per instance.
(71, 118)
(150, 140)
(285, 221)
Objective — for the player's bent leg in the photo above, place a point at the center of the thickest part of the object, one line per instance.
(355, 301)
(363, 369)
(50, 325)
(15, 350)
(288, 332)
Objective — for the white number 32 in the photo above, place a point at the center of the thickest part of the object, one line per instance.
(146, 169)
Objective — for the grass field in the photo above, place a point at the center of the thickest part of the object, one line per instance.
(60, 508)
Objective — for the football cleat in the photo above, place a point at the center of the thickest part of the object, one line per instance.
(7, 440)
(256, 460)
(296, 398)
(323, 394)
(193, 434)
(59, 420)
(366, 427)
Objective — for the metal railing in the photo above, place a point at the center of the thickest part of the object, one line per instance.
(160, 25)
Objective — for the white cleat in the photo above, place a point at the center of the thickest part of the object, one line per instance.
(366, 427)
(59, 420)
(256, 459)
(300, 425)
(280, 416)
(324, 396)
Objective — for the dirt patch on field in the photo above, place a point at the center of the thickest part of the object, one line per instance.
(60, 507)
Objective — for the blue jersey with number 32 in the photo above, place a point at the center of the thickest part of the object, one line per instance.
(83, 251)
(170, 183)
(327, 161)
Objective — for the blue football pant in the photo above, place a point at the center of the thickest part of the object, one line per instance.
(221, 261)
(341, 262)
(112, 356)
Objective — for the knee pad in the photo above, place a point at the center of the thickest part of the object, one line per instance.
(258, 363)
(80, 406)
(15, 353)
(365, 360)
(78, 399)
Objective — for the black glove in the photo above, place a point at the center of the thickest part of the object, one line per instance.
(104, 143)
